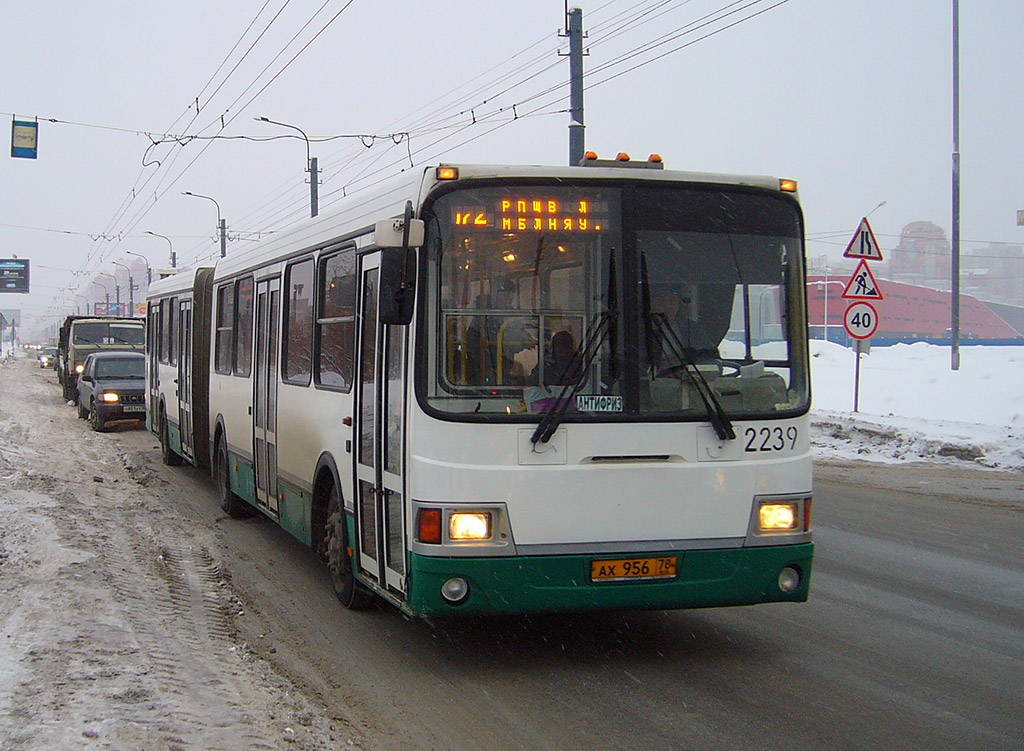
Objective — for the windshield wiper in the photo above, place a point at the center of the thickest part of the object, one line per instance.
(584, 355)
(720, 421)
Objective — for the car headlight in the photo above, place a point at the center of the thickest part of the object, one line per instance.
(109, 396)
(79, 369)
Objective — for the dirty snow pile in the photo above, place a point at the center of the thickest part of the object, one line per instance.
(914, 407)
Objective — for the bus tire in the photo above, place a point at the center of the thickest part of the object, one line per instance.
(167, 455)
(350, 592)
(233, 506)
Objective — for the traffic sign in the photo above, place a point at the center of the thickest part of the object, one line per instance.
(862, 285)
(861, 320)
(863, 244)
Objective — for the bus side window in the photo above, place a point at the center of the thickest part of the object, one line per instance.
(336, 321)
(225, 319)
(298, 321)
(244, 314)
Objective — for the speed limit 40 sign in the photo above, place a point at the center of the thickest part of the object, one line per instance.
(861, 320)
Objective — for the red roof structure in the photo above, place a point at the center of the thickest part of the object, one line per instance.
(908, 312)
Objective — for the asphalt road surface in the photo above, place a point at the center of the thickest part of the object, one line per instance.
(913, 636)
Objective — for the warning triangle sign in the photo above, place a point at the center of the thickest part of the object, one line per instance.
(863, 244)
(862, 285)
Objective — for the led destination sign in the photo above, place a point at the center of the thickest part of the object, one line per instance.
(535, 215)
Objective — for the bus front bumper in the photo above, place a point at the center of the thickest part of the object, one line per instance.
(531, 584)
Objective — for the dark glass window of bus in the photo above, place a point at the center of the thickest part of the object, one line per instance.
(298, 321)
(225, 319)
(244, 300)
(167, 331)
(158, 332)
(172, 337)
(336, 324)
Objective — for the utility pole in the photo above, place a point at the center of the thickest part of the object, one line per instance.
(132, 286)
(954, 326)
(314, 178)
(574, 30)
(221, 224)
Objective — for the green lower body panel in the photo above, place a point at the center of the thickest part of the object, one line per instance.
(704, 578)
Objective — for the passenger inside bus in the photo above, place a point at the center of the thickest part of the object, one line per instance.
(563, 363)
(677, 324)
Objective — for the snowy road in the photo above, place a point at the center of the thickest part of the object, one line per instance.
(135, 615)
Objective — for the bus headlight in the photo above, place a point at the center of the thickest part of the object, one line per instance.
(778, 516)
(109, 396)
(469, 525)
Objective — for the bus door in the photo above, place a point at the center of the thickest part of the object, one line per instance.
(379, 409)
(268, 306)
(153, 363)
(185, 378)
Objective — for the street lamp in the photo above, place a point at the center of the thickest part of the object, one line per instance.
(875, 209)
(149, 269)
(131, 287)
(220, 221)
(170, 246)
(310, 160)
(106, 292)
(86, 303)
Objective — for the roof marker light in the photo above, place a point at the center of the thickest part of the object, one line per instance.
(656, 158)
(447, 173)
(787, 186)
(590, 155)
(622, 156)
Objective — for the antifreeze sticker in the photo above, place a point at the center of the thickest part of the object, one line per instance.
(595, 403)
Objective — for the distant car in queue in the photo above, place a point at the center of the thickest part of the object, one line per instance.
(112, 387)
(48, 357)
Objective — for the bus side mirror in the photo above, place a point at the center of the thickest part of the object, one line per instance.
(397, 286)
(397, 239)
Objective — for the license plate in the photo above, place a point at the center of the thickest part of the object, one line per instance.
(134, 408)
(633, 569)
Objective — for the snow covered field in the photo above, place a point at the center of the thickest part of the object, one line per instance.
(913, 407)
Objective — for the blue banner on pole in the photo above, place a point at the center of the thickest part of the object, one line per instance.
(24, 139)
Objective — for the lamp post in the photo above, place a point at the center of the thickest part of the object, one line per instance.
(106, 292)
(149, 269)
(310, 160)
(86, 304)
(170, 247)
(131, 287)
(117, 292)
(880, 205)
(220, 221)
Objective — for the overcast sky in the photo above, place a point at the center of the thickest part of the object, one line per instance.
(852, 99)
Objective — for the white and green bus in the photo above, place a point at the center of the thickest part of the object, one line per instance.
(502, 389)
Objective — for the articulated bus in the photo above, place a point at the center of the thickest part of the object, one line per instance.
(501, 389)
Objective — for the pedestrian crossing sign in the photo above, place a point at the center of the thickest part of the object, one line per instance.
(862, 285)
(863, 244)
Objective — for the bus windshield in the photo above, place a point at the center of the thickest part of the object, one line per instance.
(649, 301)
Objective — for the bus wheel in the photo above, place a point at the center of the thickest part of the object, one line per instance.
(350, 593)
(167, 455)
(234, 506)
